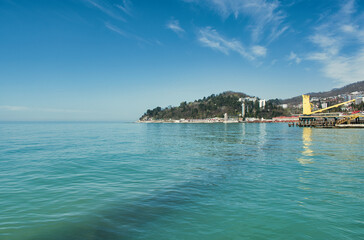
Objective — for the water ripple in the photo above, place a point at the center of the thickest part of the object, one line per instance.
(181, 181)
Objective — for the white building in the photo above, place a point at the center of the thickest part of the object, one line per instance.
(262, 103)
(253, 99)
(284, 106)
(324, 105)
(250, 99)
(355, 95)
(359, 100)
(226, 117)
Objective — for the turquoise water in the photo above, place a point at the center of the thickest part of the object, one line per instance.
(180, 181)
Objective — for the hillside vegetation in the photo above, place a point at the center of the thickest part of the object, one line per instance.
(215, 106)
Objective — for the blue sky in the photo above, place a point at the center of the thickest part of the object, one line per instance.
(111, 60)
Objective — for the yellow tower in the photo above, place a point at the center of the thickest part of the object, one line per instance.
(306, 104)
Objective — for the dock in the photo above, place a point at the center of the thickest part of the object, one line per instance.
(319, 119)
(331, 121)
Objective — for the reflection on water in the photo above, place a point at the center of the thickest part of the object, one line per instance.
(307, 153)
(262, 135)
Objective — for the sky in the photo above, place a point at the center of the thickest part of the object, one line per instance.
(111, 60)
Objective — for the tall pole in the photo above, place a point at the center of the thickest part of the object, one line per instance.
(243, 110)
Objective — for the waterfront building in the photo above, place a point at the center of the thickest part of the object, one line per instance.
(262, 103)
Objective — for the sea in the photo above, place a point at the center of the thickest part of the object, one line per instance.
(112, 180)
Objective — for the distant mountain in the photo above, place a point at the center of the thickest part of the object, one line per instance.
(358, 86)
(215, 106)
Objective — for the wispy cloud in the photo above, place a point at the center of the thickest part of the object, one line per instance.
(107, 8)
(117, 11)
(116, 29)
(339, 39)
(125, 34)
(275, 33)
(209, 37)
(23, 108)
(175, 27)
(266, 17)
(326, 42)
(293, 57)
(125, 6)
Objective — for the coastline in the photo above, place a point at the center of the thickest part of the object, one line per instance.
(222, 120)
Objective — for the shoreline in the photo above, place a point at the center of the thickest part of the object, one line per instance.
(222, 120)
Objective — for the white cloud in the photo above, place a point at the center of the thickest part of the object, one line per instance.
(343, 69)
(324, 41)
(259, 51)
(175, 27)
(348, 28)
(209, 37)
(293, 57)
(264, 16)
(340, 45)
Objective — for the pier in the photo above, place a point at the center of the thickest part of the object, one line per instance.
(328, 120)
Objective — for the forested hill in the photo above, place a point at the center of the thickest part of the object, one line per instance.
(214, 106)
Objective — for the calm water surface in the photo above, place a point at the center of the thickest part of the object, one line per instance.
(180, 181)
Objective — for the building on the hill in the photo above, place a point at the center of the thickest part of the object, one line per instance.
(284, 106)
(262, 103)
